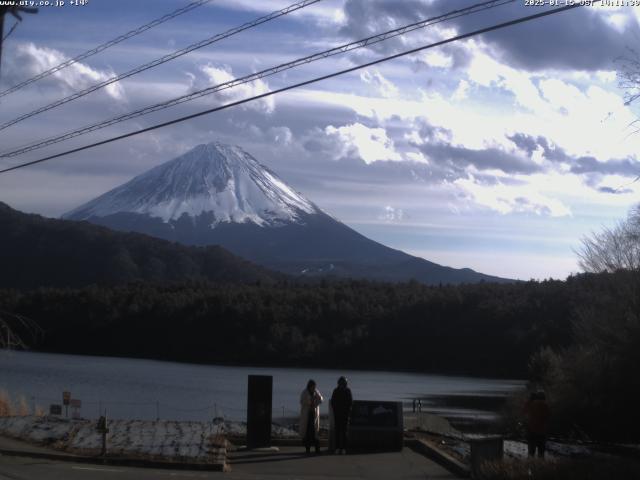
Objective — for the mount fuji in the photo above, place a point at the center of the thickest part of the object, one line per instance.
(219, 194)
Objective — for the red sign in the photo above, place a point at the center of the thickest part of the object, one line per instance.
(75, 403)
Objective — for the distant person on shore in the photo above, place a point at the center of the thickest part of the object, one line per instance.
(341, 401)
(310, 400)
(538, 414)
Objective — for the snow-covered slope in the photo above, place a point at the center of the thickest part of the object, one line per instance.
(218, 194)
(219, 179)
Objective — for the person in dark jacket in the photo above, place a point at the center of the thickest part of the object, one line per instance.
(341, 401)
(538, 414)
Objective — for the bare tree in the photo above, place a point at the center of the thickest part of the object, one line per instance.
(629, 75)
(612, 249)
(17, 332)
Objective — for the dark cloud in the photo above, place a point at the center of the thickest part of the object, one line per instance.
(583, 165)
(530, 144)
(614, 191)
(460, 157)
(365, 19)
(563, 41)
(626, 167)
(580, 39)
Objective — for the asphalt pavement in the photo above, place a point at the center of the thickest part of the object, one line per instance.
(288, 463)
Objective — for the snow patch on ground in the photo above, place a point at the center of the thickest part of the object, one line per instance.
(239, 429)
(164, 439)
(518, 449)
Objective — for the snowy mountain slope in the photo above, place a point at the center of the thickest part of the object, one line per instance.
(219, 179)
(220, 195)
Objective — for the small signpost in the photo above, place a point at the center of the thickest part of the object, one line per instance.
(66, 398)
(103, 429)
(75, 405)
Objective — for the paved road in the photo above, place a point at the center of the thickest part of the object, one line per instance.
(288, 464)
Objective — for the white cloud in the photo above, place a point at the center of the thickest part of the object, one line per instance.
(391, 214)
(369, 144)
(216, 75)
(435, 58)
(506, 199)
(383, 86)
(33, 60)
(461, 92)
(325, 13)
(281, 135)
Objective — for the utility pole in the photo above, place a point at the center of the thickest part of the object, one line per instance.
(15, 11)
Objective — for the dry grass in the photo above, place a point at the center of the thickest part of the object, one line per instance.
(564, 469)
(6, 407)
(19, 407)
(22, 407)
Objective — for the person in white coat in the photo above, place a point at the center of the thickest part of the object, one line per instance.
(310, 400)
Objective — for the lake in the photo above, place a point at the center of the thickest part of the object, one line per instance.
(146, 389)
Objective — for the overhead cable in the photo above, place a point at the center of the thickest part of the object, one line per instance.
(161, 60)
(301, 84)
(258, 75)
(105, 45)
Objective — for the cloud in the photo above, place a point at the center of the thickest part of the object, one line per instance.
(29, 60)
(614, 191)
(358, 140)
(562, 42)
(383, 86)
(579, 165)
(323, 13)
(391, 214)
(512, 199)
(210, 75)
(460, 157)
(365, 19)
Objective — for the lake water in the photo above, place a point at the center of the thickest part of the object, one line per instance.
(146, 389)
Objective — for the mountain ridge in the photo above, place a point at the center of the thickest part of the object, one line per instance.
(220, 194)
(221, 179)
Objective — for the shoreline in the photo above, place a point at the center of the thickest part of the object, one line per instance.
(459, 375)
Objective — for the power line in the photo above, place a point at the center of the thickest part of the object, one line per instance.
(160, 61)
(104, 46)
(261, 74)
(300, 84)
(11, 30)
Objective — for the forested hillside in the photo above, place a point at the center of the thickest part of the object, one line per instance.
(37, 251)
(489, 329)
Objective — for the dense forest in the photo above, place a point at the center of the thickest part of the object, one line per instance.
(488, 329)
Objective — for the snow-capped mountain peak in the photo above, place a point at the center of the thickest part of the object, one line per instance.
(215, 178)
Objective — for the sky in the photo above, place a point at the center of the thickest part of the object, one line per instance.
(498, 153)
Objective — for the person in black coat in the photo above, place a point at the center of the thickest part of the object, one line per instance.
(341, 401)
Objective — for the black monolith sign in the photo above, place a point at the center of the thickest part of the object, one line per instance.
(376, 426)
(259, 411)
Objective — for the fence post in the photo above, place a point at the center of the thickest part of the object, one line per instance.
(157, 410)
